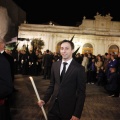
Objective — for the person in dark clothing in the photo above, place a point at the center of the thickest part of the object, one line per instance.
(67, 95)
(47, 63)
(56, 57)
(10, 60)
(113, 63)
(100, 77)
(91, 72)
(112, 86)
(32, 63)
(78, 58)
(15, 57)
(24, 63)
(118, 64)
(6, 87)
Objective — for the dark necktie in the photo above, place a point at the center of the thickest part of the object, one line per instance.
(63, 71)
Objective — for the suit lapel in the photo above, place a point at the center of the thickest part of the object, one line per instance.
(69, 70)
(58, 70)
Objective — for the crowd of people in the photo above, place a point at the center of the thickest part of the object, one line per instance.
(101, 70)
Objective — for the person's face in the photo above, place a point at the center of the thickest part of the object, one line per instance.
(66, 51)
(112, 57)
(93, 60)
(112, 70)
(119, 54)
(108, 56)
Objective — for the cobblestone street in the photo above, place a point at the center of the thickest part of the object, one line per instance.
(98, 106)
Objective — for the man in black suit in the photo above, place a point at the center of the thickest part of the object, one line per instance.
(6, 88)
(9, 58)
(67, 95)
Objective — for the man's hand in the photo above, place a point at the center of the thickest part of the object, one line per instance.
(74, 118)
(41, 103)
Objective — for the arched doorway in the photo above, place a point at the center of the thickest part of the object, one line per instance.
(87, 48)
(58, 47)
(113, 49)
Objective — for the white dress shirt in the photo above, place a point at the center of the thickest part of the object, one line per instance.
(68, 63)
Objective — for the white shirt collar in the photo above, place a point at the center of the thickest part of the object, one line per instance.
(69, 61)
(2, 51)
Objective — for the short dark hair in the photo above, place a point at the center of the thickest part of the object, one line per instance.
(70, 42)
(106, 54)
(47, 51)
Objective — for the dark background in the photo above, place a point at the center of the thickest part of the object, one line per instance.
(67, 13)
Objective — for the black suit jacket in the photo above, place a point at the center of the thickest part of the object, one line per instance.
(6, 85)
(47, 60)
(70, 92)
(11, 61)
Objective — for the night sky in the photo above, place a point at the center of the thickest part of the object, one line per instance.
(67, 13)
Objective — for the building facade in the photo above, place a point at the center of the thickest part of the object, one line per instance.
(92, 36)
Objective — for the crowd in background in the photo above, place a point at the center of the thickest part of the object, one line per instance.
(102, 70)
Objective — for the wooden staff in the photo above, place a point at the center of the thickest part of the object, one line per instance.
(38, 97)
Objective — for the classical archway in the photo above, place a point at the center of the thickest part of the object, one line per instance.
(87, 48)
(58, 47)
(113, 48)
